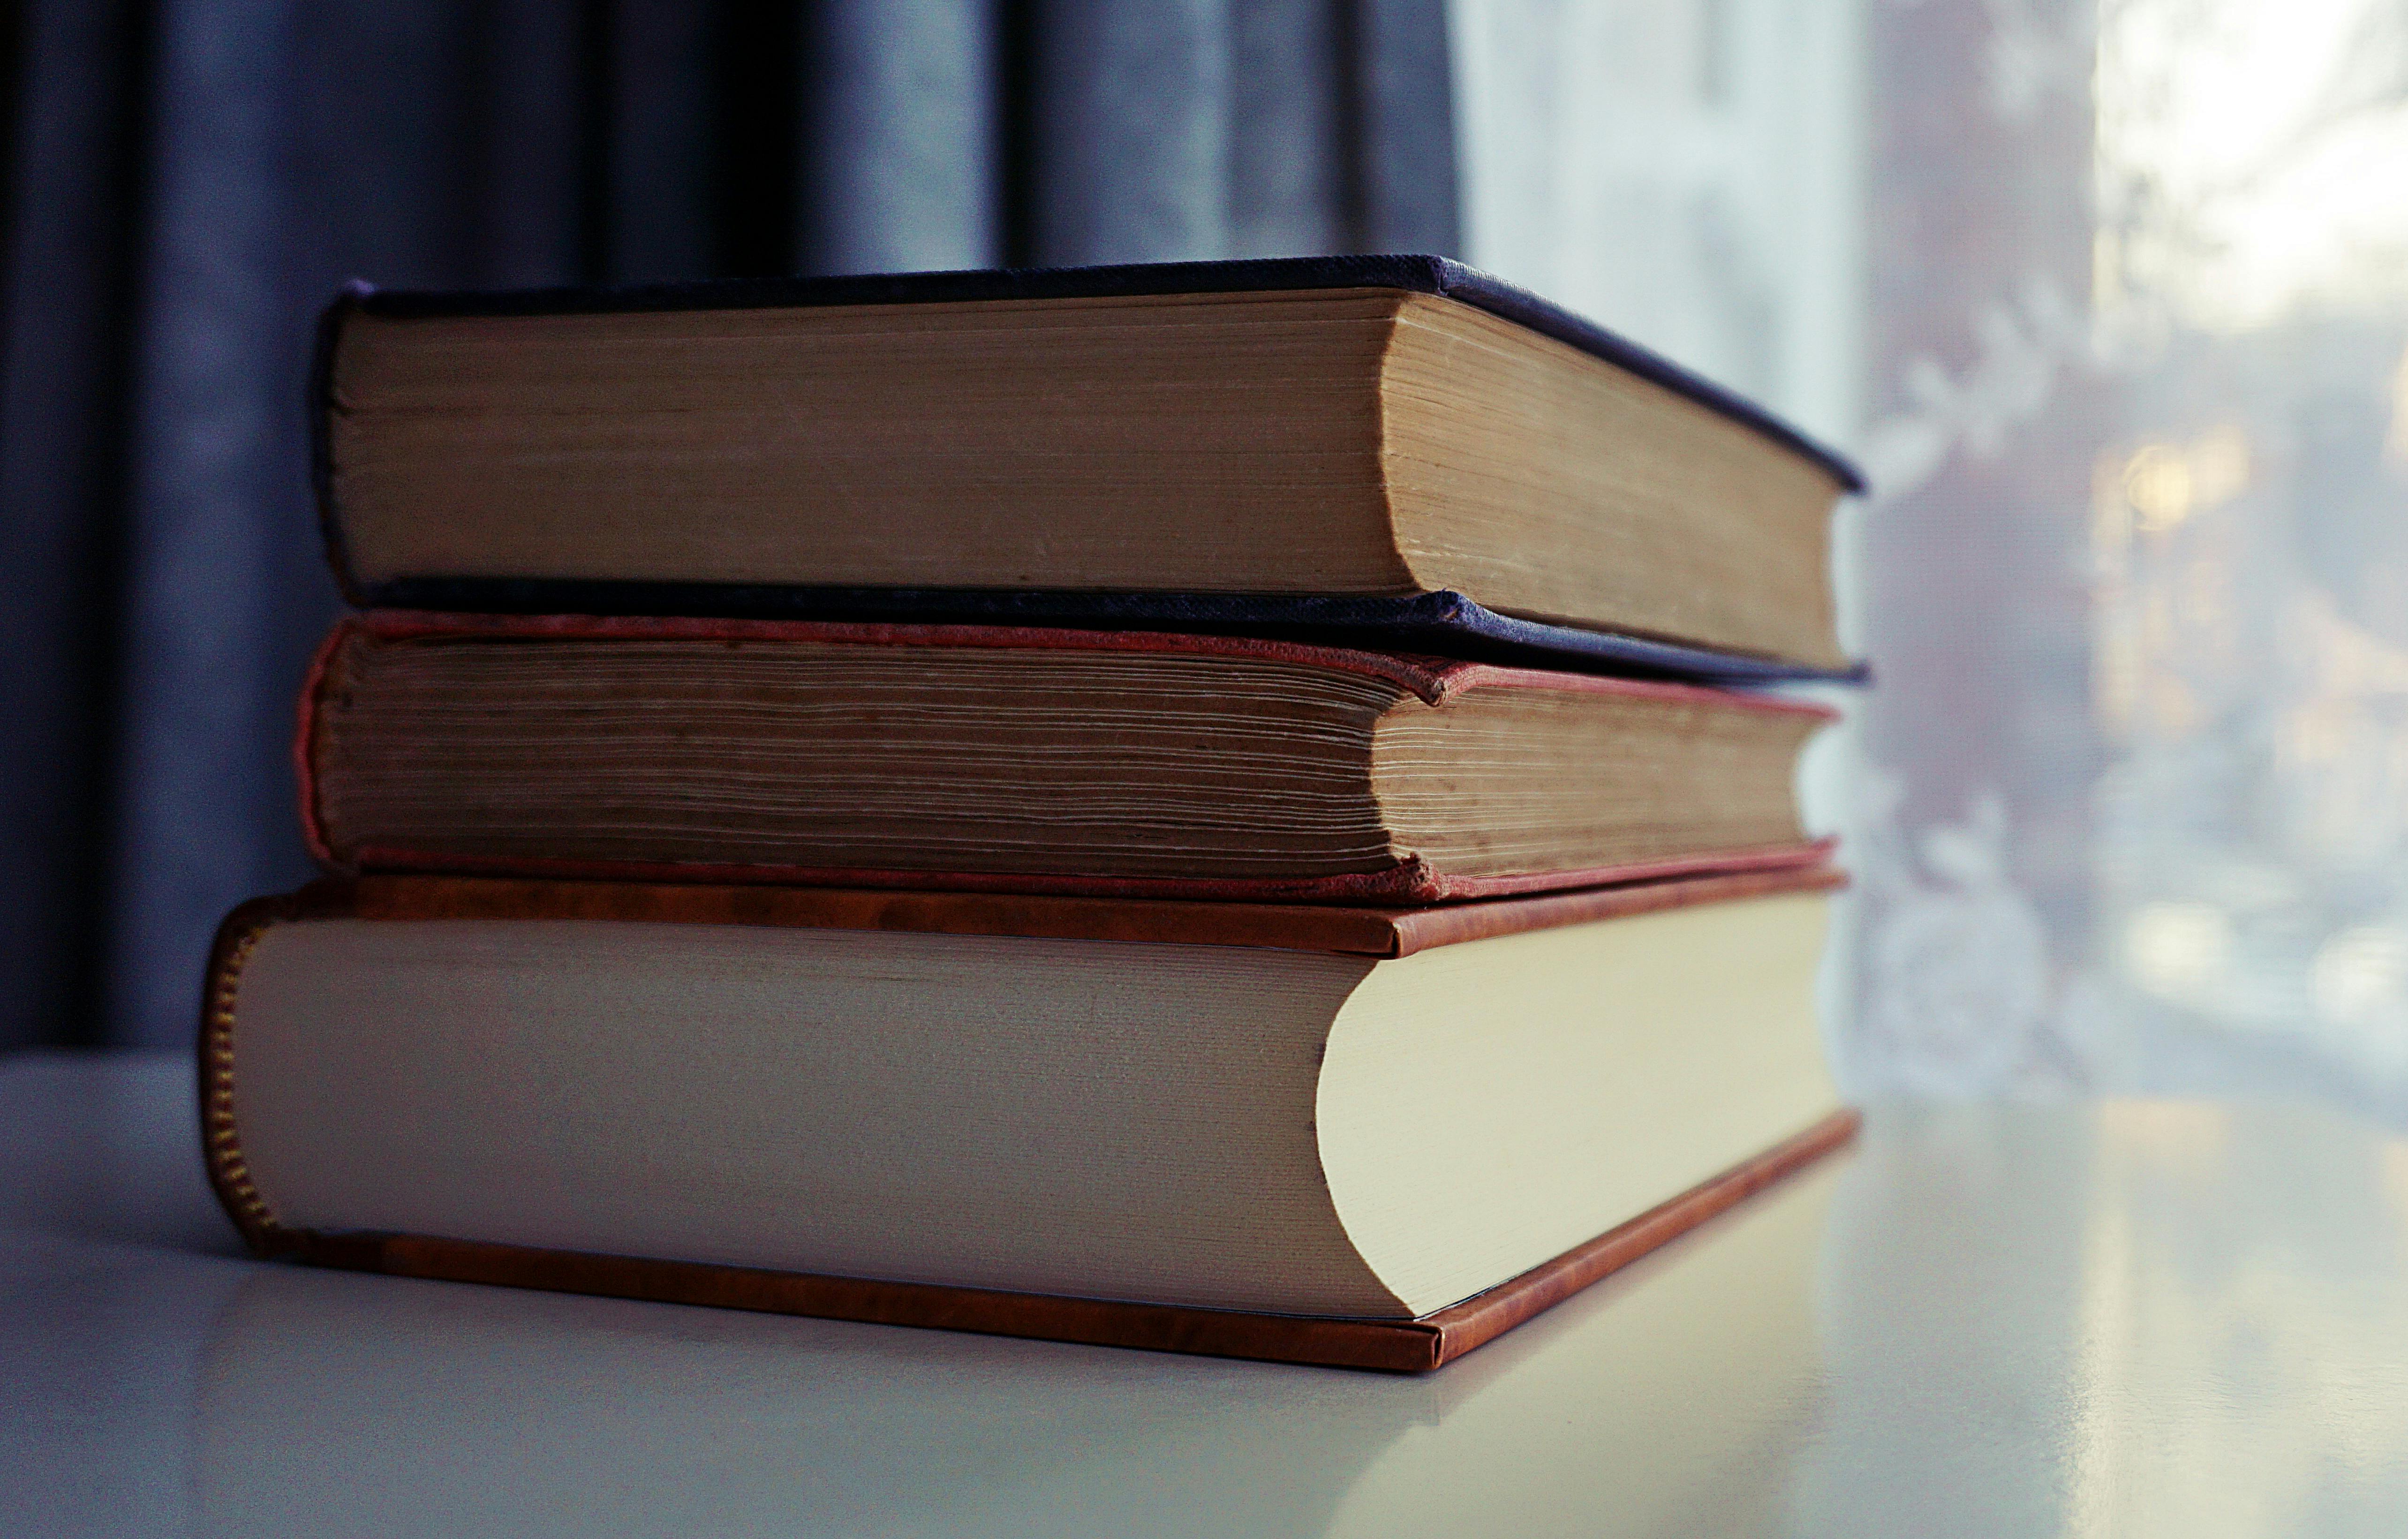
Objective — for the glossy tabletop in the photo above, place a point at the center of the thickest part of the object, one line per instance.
(2118, 1319)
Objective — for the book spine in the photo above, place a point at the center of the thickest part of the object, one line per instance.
(331, 323)
(229, 1170)
(304, 744)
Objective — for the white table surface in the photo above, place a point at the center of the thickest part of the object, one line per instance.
(2122, 1320)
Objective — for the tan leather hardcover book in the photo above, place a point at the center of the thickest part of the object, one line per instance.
(1376, 431)
(1357, 1137)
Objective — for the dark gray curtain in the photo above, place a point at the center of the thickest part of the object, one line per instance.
(187, 180)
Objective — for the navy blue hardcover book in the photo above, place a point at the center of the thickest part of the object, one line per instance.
(415, 531)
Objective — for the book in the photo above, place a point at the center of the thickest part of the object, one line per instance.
(1128, 763)
(1361, 1137)
(1391, 448)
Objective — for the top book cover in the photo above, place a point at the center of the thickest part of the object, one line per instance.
(1391, 450)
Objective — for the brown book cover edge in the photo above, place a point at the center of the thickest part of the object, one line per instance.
(1400, 1346)
(1415, 1345)
(1409, 881)
(1355, 931)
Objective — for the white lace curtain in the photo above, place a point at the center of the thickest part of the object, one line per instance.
(2111, 296)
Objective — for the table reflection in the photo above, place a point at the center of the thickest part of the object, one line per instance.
(2123, 1320)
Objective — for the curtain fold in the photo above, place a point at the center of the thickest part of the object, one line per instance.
(65, 310)
(900, 137)
(189, 179)
(205, 585)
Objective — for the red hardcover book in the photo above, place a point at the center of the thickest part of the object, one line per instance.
(1130, 764)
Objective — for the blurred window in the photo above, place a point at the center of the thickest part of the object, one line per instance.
(2111, 298)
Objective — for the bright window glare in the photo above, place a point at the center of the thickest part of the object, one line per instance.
(2252, 156)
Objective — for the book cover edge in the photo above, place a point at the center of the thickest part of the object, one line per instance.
(1373, 932)
(327, 340)
(1410, 881)
(1440, 623)
(1402, 1346)
(1430, 679)
(1484, 1317)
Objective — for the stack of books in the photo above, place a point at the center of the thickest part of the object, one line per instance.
(1222, 807)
